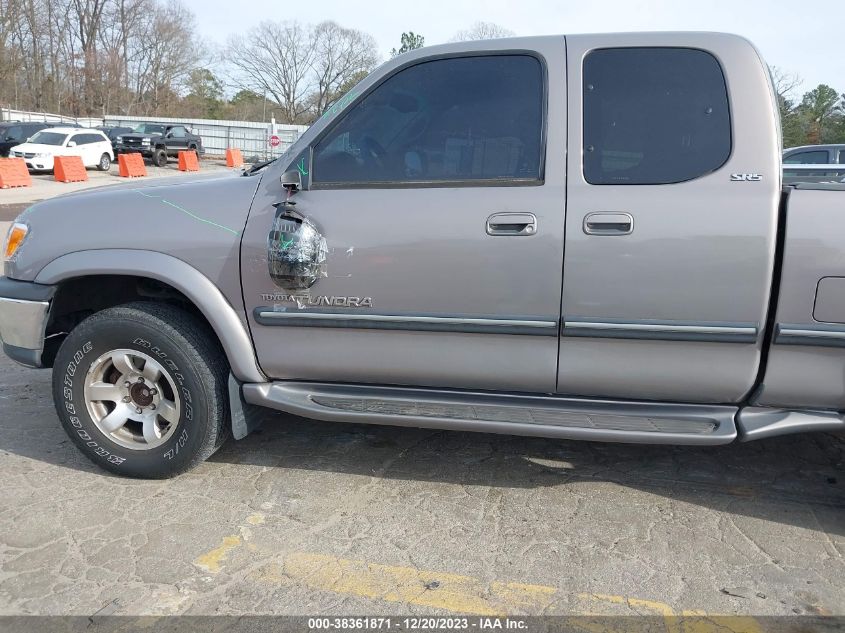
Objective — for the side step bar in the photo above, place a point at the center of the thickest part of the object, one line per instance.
(756, 423)
(541, 416)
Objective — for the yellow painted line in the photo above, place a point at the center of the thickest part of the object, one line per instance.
(713, 624)
(642, 607)
(406, 585)
(210, 561)
(685, 622)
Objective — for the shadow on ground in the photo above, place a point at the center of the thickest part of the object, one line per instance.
(775, 479)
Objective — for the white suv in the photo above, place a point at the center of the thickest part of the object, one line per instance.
(92, 146)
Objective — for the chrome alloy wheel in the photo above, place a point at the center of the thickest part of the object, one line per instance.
(132, 399)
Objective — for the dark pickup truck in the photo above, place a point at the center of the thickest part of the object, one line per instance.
(158, 141)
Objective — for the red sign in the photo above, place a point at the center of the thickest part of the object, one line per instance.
(275, 141)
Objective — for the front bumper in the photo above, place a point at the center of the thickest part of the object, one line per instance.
(24, 310)
(37, 163)
(144, 150)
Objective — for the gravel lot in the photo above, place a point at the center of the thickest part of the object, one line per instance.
(307, 517)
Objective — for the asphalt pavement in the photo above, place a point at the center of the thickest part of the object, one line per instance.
(307, 517)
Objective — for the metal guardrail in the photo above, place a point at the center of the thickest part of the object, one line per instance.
(813, 173)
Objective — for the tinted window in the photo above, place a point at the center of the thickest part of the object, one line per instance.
(15, 132)
(653, 116)
(815, 157)
(86, 139)
(49, 138)
(842, 157)
(150, 128)
(471, 118)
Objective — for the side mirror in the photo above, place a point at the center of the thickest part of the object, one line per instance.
(292, 180)
(72, 144)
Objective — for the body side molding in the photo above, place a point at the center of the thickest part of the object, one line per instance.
(710, 332)
(266, 315)
(188, 280)
(816, 334)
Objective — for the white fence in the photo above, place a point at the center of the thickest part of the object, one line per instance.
(8, 114)
(252, 138)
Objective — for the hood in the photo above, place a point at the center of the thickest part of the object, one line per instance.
(139, 135)
(198, 220)
(36, 148)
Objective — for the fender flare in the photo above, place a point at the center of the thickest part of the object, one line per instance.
(227, 325)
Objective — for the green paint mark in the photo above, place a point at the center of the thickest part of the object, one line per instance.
(186, 212)
(286, 245)
(301, 167)
(338, 105)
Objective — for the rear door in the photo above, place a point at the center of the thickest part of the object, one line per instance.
(177, 139)
(440, 193)
(673, 192)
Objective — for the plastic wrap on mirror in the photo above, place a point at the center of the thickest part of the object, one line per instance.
(296, 252)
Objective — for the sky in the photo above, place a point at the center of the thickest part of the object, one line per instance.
(806, 38)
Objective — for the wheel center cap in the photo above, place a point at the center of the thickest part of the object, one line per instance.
(140, 394)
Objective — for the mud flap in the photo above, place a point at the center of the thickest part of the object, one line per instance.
(245, 417)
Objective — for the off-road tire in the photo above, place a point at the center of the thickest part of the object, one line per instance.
(185, 348)
(159, 158)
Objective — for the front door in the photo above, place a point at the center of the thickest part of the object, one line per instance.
(443, 214)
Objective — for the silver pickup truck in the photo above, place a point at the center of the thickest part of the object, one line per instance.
(581, 237)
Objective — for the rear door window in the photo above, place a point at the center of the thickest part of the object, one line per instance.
(653, 116)
(842, 156)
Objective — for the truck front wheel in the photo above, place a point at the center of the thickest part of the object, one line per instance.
(141, 390)
(159, 158)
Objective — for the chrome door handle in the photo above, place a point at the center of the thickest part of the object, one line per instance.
(608, 224)
(512, 224)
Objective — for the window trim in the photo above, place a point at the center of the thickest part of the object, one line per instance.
(809, 151)
(673, 182)
(435, 184)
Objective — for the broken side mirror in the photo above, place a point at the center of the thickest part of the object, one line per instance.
(292, 180)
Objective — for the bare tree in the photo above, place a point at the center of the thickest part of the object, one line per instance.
(482, 31)
(87, 16)
(340, 56)
(276, 58)
(9, 53)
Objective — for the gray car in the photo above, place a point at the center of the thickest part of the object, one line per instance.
(832, 154)
(580, 237)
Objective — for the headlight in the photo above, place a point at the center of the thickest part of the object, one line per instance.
(15, 237)
(145, 140)
(119, 139)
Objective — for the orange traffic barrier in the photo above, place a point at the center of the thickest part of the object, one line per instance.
(234, 158)
(188, 161)
(13, 173)
(69, 169)
(131, 165)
